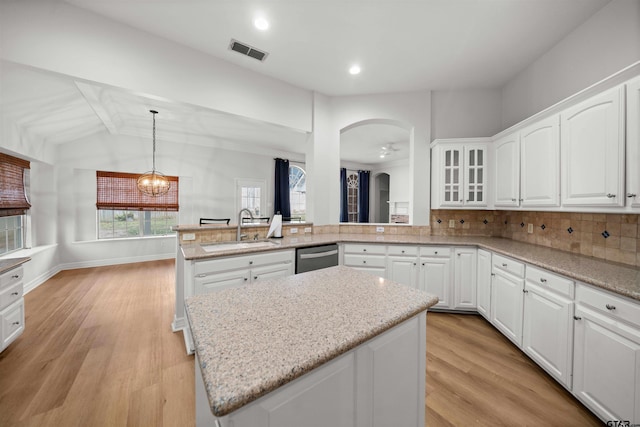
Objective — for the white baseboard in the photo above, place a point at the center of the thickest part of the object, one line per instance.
(115, 261)
(28, 287)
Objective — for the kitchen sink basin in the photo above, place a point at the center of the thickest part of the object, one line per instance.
(232, 246)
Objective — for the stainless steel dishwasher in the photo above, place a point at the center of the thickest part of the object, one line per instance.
(316, 257)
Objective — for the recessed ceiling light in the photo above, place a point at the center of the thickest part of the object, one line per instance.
(261, 23)
(355, 69)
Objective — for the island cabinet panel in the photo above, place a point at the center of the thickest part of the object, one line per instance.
(607, 355)
(593, 150)
(507, 297)
(380, 383)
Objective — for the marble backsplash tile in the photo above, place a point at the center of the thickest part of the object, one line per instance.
(614, 237)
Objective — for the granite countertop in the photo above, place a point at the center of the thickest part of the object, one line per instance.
(255, 338)
(619, 278)
(9, 263)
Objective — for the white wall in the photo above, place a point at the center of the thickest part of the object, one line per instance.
(207, 189)
(465, 113)
(603, 45)
(413, 109)
(59, 37)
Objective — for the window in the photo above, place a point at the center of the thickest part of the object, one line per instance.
(298, 192)
(14, 172)
(352, 195)
(251, 195)
(123, 211)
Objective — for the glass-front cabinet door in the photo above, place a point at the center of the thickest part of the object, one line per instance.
(460, 168)
(475, 162)
(452, 181)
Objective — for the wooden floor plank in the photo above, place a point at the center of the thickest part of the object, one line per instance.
(98, 350)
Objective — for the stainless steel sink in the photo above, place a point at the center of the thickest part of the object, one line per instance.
(232, 246)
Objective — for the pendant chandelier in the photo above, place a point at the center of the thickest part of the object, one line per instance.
(153, 183)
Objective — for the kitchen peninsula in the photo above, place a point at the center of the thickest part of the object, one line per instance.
(327, 347)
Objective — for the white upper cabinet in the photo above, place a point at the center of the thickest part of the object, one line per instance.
(507, 171)
(459, 173)
(593, 151)
(633, 143)
(540, 163)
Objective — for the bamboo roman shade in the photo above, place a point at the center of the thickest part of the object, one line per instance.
(117, 190)
(13, 199)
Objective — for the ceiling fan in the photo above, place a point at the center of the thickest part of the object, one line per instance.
(387, 150)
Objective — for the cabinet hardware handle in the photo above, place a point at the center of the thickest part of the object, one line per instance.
(525, 291)
(630, 195)
(15, 276)
(611, 196)
(610, 307)
(577, 317)
(364, 250)
(436, 252)
(15, 323)
(462, 201)
(14, 294)
(250, 262)
(364, 262)
(402, 251)
(415, 263)
(513, 200)
(504, 264)
(543, 280)
(459, 254)
(201, 275)
(423, 263)
(246, 278)
(493, 274)
(255, 277)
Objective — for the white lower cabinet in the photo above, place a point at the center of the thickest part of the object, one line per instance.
(607, 355)
(483, 284)
(464, 278)
(370, 258)
(435, 274)
(507, 289)
(402, 265)
(217, 274)
(547, 332)
(11, 306)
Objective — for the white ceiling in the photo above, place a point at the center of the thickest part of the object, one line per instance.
(401, 45)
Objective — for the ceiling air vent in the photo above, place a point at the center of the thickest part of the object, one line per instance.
(245, 49)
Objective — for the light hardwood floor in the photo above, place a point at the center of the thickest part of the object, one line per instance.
(98, 351)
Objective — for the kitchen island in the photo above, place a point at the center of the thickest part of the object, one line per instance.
(330, 347)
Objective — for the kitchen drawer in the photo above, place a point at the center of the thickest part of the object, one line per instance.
(353, 260)
(507, 264)
(402, 250)
(12, 276)
(243, 261)
(551, 281)
(10, 294)
(606, 302)
(435, 251)
(367, 249)
(12, 319)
